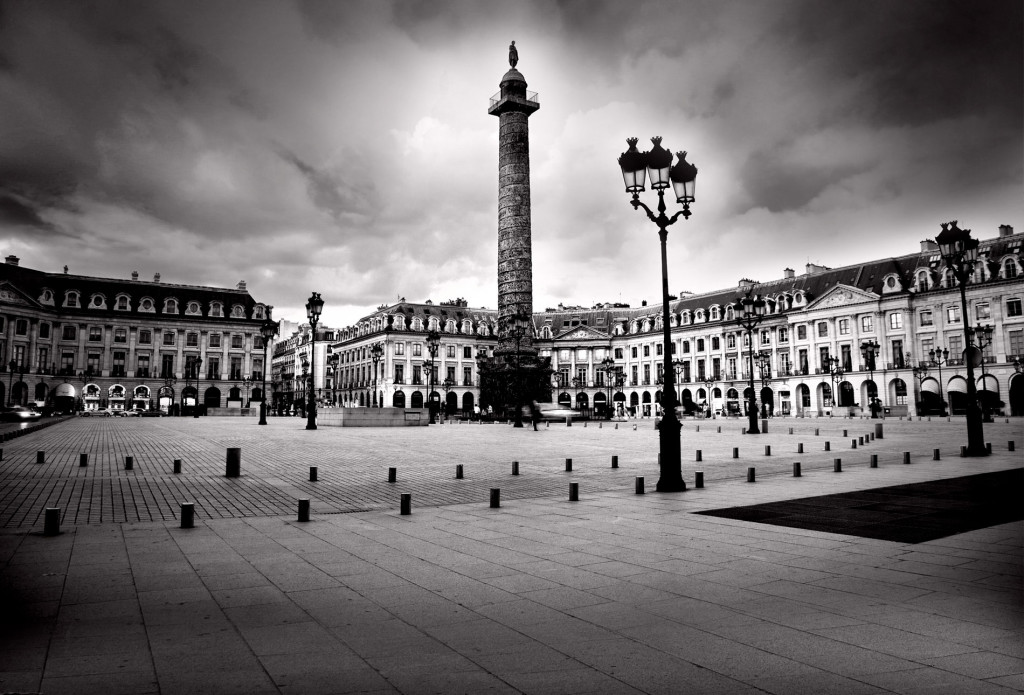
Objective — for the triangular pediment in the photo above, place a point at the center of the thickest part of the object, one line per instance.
(582, 333)
(842, 295)
(10, 294)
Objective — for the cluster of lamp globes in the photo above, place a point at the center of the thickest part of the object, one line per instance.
(657, 163)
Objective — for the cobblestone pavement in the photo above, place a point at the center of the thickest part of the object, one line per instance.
(353, 462)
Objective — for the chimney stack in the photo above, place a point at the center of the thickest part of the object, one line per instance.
(156, 277)
(1005, 230)
(12, 260)
(928, 245)
(135, 276)
(241, 285)
(788, 273)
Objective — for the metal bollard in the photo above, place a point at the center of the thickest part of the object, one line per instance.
(700, 455)
(853, 443)
(129, 463)
(735, 452)
(458, 471)
(187, 514)
(767, 450)
(743, 431)
(406, 505)
(837, 465)
(568, 465)
(83, 460)
(935, 454)
(796, 469)
(304, 510)
(1010, 445)
(515, 468)
(845, 434)
(233, 465)
(698, 479)
(878, 431)
(639, 485)
(800, 448)
(698, 428)
(719, 430)
(988, 447)
(815, 431)
(40, 457)
(615, 461)
(764, 427)
(177, 465)
(51, 521)
(392, 475)
(495, 497)
(874, 460)
(828, 446)
(313, 474)
(574, 492)
(906, 457)
(860, 440)
(750, 474)
(1, 450)
(791, 430)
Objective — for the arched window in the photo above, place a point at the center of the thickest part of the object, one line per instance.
(714, 313)
(1009, 269)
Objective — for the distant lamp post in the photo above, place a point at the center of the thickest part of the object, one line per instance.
(834, 365)
(611, 373)
(433, 342)
(247, 380)
(375, 353)
(199, 375)
(869, 352)
(12, 365)
(679, 371)
(448, 384)
(268, 329)
(516, 330)
(313, 308)
(709, 383)
(960, 252)
(332, 362)
(750, 311)
(657, 163)
(982, 339)
(937, 358)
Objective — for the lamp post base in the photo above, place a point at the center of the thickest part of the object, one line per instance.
(263, 413)
(671, 476)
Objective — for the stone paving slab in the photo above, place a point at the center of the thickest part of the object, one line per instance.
(615, 593)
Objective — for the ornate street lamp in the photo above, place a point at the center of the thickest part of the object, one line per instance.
(433, 341)
(658, 164)
(313, 308)
(12, 365)
(834, 365)
(375, 353)
(198, 363)
(268, 329)
(960, 252)
(982, 339)
(869, 351)
(332, 363)
(937, 358)
(750, 311)
(612, 372)
(448, 384)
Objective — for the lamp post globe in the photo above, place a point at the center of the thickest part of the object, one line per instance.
(750, 311)
(375, 354)
(313, 308)
(433, 341)
(268, 329)
(682, 177)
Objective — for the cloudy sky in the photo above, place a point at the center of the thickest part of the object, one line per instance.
(345, 147)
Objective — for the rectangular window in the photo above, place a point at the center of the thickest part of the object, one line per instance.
(145, 337)
(716, 344)
(899, 359)
(191, 340)
(700, 370)
(451, 351)
(236, 368)
(784, 365)
(844, 326)
(926, 318)
(450, 375)
(166, 366)
(952, 314)
(1016, 343)
(822, 330)
(21, 327)
(68, 332)
(399, 373)
(956, 347)
(467, 375)
(95, 334)
(168, 337)
(213, 368)
(716, 368)
(118, 366)
(467, 353)
(120, 335)
(846, 357)
(42, 358)
(982, 311)
(647, 374)
(866, 324)
(67, 363)
(399, 348)
(686, 346)
(143, 367)
(563, 377)
(44, 330)
(700, 345)
(236, 341)
(633, 375)
(647, 350)
(823, 358)
(417, 374)
(1013, 307)
(618, 353)
(632, 352)
(783, 335)
(19, 356)
(732, 367)
(214, 340)
(804, 366)
(92, 364)
(896, 320)
(766, 337)
(417, 349)
(801, 332)
(658, 350)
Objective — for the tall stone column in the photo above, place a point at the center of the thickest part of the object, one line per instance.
(513, 106)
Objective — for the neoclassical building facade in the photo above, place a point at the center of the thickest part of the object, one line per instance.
(809, 344)
(77, 342)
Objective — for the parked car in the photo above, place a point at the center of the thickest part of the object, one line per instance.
(130, 413)
(555, 412)
(19, 413)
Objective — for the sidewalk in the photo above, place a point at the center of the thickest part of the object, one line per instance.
(615, 593)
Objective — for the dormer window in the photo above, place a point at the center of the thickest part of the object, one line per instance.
(237, 312)
(170, 306)
(714, 313)
(46, 297)
(216, 309)
(193, 309)
(71, 299)
(257, 312)
(147, 305)
(97, 301)
(122, 303)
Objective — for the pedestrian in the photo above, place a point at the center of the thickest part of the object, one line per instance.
(535, 414)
